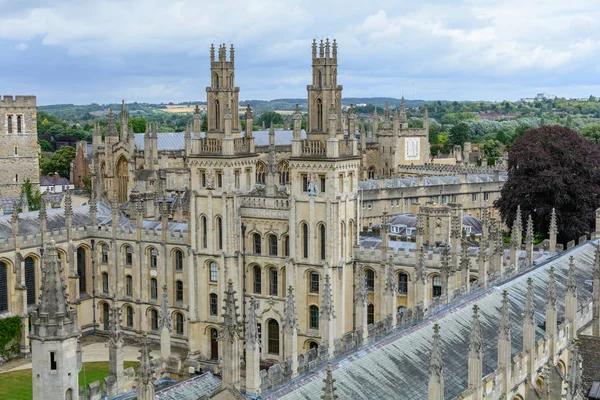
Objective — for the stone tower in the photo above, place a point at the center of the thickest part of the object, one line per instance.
(19, 148)
(56, 359)
(222, 94)
(324, 92)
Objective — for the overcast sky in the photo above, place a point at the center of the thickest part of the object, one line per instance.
(71, 51)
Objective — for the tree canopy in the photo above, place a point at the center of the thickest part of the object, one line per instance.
(553, 167)
(268, 117)
(59, 163)
(32, 195)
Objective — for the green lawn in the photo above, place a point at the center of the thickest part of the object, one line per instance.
(16, 385)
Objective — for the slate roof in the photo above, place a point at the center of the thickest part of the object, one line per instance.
(170, 389)
(373, 184)
(396, 366)
(410, 221)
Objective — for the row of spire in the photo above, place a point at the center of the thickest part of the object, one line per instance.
(326, 49)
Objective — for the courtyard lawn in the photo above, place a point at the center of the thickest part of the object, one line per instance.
(16, 385)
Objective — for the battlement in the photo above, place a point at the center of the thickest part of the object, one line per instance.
(8, 101)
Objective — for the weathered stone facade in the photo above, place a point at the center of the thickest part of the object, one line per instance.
(19, 149)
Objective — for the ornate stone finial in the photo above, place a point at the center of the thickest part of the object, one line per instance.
(15, 213)
(553, 223)
(551, 294)
(231, 327)
(504, 333)
(436, 363)
(334, 51)
(188, 131)
(248, 114)
(421, 268)
(386, 112)
(529, 232)
(164, 207)
(290, 318)
(165, 320)
(518, 218)
(483, 246)
(145, 375)
(485, 216)
(529, 312)
(329, 389)
(465, 263)
(420, 224)
(252, 336)
(68, 203)
(396, 115)
(212, 52)
(111, 126)
(446, 268)
(351, 111)
(147, 132)
(53, 297)
(43, 206)
(476, 339)
(403, 118)
(297, 113)
(456, 230)
(115, 335)
(571, 283)
(271, 135)
(362, 299)
(331, 115)
(515, 236)
(327, 311)
(390, 288)
(574, 379)
(597, 264)
(227, 114)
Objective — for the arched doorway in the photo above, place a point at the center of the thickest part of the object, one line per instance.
(122, 178)
(273, 335)
(105, 316)
(214, 344)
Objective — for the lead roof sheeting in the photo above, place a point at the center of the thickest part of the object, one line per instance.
(401, 360)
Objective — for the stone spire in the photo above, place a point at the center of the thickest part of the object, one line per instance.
(504, 333)
(421, 269)
(529, 329)
(529, 240)
(252, 337)
(519, 219)
(115, 347)
(111, 126)
(68, 203)
(252, 346)
(145, 375)
(165, 326)
(465, 263)
(230, 334)
(551, 315)
(403, 118)
(390, 288)
(571, 283)
(124, 122)
(327, 315)
(386, 113)
(329, 389)
(93, 207)
(553, 231)
(475, 352)
(446, 269)
(574, 379)
(436, 367)
(529, 311)
(504, 345)
(362, 302)
(571, 300)
(290, 317)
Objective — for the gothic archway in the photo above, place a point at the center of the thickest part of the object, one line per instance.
(122, 177)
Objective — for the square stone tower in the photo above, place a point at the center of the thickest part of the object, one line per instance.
(19, 149)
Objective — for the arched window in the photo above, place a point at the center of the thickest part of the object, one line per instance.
(403, 283)
(256, 243)
(204, 224)
(216, 81)
(3, 287)
(261, 172)
(104, 249)
(273, 286)
(305, 240)
(272, 245)
(30, 281)
(69, 394)
(214, 271)
(153, 255)
(319, 79)
(128, 286)
(129, 316)
(286, 246)
(319, 115)
(230, 83)
(128, 256)
(179, 323)
(105, 316)
(214, 304)
(19, 124)
(104, 283)
(284, 172)
(154, 320)
(370, 314)
(257, 279)
(179, 291)
(219, 233)
(371, 173)
(153, 289)
(314, 282)
(370, 275)
(178, 260)
(9, 124)
(273, 335)
(217, 111)
(314, 317)
(322, 241)
(437, 286)
(81, 270)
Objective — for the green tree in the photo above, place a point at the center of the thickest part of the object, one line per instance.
(458, 117)
(204, 125)
(46, 146)
(591, 132)
(270, 117)
(459, 134)
(59, 163)
(32, 195)
(138, 124)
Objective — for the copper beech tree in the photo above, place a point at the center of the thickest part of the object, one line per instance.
(553, 167)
